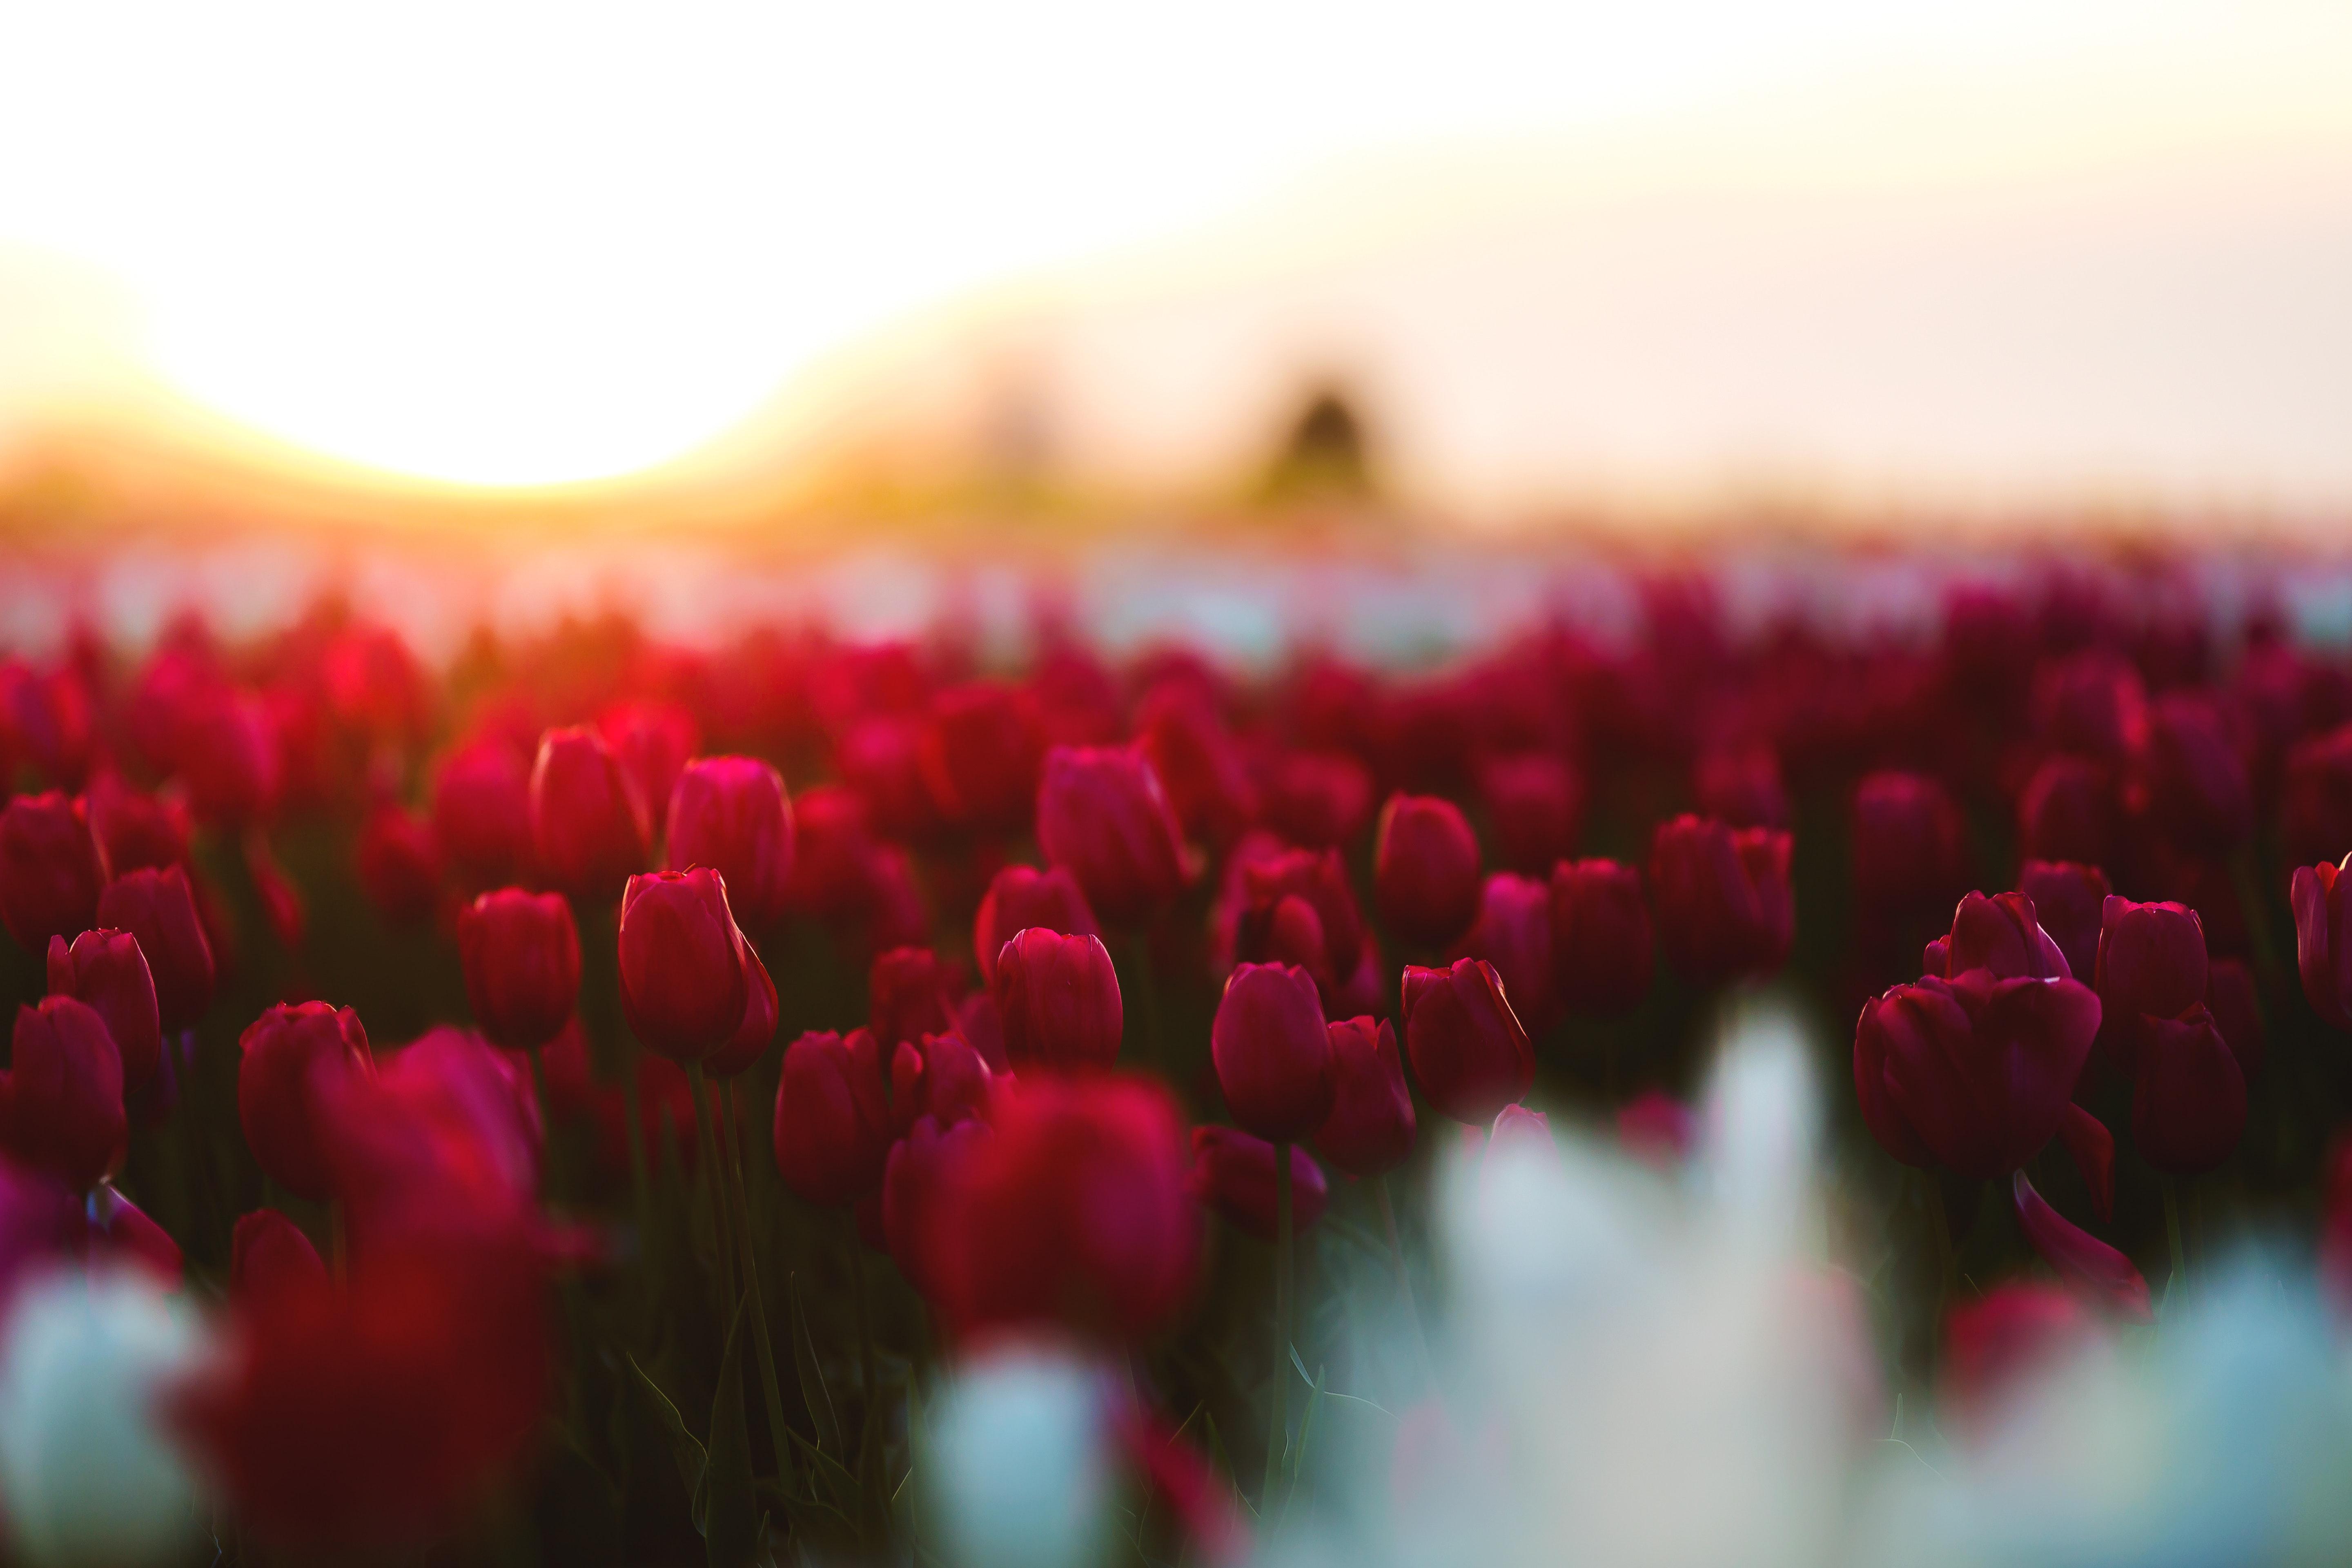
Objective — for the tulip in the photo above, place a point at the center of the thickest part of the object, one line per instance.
(1426, 870)
(731, 815)
(1907, 847)
(2068, 812)
(1999, 1344)
(2315, 798)
(941, 1077)
(757, 1031)
(2231, 998)
(1233, 1174)
(983, 1027)
(1513, 934)
(2081, 1259)
(293, 1055)
(270, 1255)
(924, 1165)
(159, 908)
(682, 983)
(1057, 1002)
(121, 1233)
(587, 823)
(1101, 813)
(2151, 958)
(1021, 897)
(2068, 901)
(2093, 1149)
(832, 1123)
(45, 719)
(1370, 1129)
(2189, 1094)
(399, 865)
(1199, 765)
(134, 828)
(651, 740)
(1297, 907)
(61, 1095)
(521, 957)
(979, 751)
(1468, 1046)
(2193, 778)
(2090, 703)
(2322, 955)
(481, 810)
(229, 756)
(281, 902)
(2001, 934)
(908, 995)
(1741, 785)
(1600, 952)
(1536, 802)
(1272, 1052)
(50, 869)
(1319, 800)
(832, 854)
(106, 970)
(1656, 1128)
(1974, 1073)
(1074, 1215)
(1722, 905)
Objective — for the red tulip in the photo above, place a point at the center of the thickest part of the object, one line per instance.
(731, 815)
(2230, 996)
(45, 719)
(2068, 900)
(983, 1027)
(651, 740)
(1999, 1343)
(1513, 932)
(1202, 769)
(1020, 898)
(2151, 958)
(1074, 1215)
(481, 810)
(1234, 1172)
(1425, 868)
(1908, 848)
(1057, 1002)
(880, 756)
(1536, 802)
(2322, 955)
(1468, 1046)
(1272, 1052)
(399, 865)
(980, 750)
(832, 854)
(2093, 1149)
(2082, 1260)
(106, 970)
(925, 1165)
(2315, 798)
(833, 1121)
(50, 869)
(1974, 1073)
(587, 822)
(61, 1095)
(1317, 799)
(1370, 1128)
(2068, 812)
(521, 957)
(1722, 900)
(159, 908)
(293, 1057)
(1297, 907)
(908, 995)
(1600, 949)
(2190, 777)
(1101, 812)
(270, 1255)
(2189, 1094)
(2001, 934)
(2090, 703)
(941, 1077)
(682, 983)
(134, 828)
(1741, 785)
(121, 1233)
(229, 758)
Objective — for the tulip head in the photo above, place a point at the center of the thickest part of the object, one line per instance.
(731, 815)
(1602, 951)
(1233, 1174)
(1020, 898)
(1101, 814)
(521, 957)
(294, 1059)
(61, 1095)
(1057, 1002)
(2151, 958)
(1272, 1051)
(50, 868)
(106, 970)
(1370, 1129)
(588, 825)
(1425, 868)
(158, 908)
(1468, 1047)
(683, 986)
(833, 1117)
(1721, 899)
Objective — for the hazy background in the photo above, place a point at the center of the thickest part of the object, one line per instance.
(1999, 262)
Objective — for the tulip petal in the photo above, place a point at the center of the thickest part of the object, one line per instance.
(2092, 1148)
(2081, 1259)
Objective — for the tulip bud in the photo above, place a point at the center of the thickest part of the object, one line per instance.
(1057, 1002)
(399, 866)
(106, 970)
(2068, 901)
(924, 1166)
(2189, 1094)
(2068, 812)
(941, 1077)
(61, 1095)
(1536, 802)
(651, 740)
(1741, 785)
(1233, 1174)
(270, 1255)
(1021, 897)
(1999, 1344)
(1272, 1051)
(1370, 1127)
(228, 756)
(481, 810)
(682, 984)
(294, 1057)
(1908, 849)
(2079, 1258)
(521, 957)
(2091, 703)
(50, 869)
(1600, 950)
(1425, 868)
(1513, 932)
(159, 910)
(2001, 934)
(1101, 812)
(1199, 765)
(1318, 800)
(980, 750)
(2191, 778)
(731, 815)
(909, 994)
(587, 824)
(134, 828)
(833, 1124)
(1297, 907)
(1723, 903)
(757, 1032)
(2323, 957)
(1468, 1046)
(2151, 958)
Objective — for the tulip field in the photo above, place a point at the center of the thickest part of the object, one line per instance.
(1702, 1089)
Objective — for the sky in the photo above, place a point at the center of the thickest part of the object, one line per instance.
(511, 245)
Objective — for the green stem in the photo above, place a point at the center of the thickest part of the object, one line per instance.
(718, 1188)
(770, 1388)
(2172, 1235)
(1277, 1431)
(1404, 1278)
(1939, 1234)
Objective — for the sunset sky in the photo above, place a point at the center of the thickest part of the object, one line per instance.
(2027, 247)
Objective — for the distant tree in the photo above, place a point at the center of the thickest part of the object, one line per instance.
(1324, 453)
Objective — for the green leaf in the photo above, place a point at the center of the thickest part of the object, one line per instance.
(683, 1447)
(818, 1397)
(731, 1513)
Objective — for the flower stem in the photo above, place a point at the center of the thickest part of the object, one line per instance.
(1404, 1278)
(1278, 1433)
(718, 1222)
(769, 1387)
